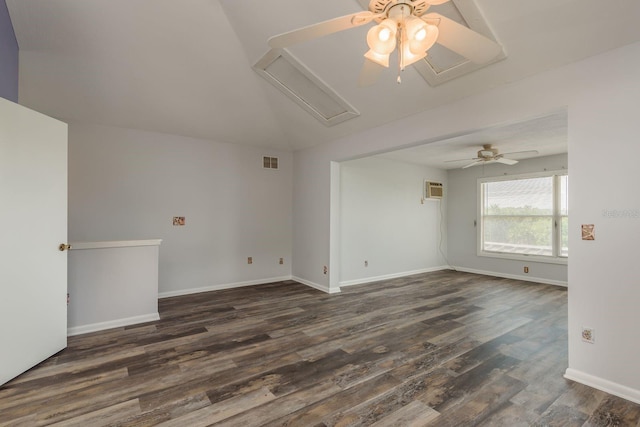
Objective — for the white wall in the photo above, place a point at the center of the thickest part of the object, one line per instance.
(311, 202)
(463, 209)
(602, 98)
(111, 285)
(384, 222)
(605, 285)
(128, 185)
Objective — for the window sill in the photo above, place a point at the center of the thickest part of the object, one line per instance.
(523, 257)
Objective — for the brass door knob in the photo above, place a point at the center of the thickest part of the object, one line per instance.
(64, 247)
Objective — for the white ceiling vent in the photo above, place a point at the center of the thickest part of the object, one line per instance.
(285, 72)
(441, 64)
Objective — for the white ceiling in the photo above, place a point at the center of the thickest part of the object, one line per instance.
(546, 135)
(185, 66)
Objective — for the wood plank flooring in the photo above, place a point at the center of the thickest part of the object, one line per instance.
(436, 349)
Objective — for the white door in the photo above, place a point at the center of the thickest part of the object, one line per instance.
(33, 219)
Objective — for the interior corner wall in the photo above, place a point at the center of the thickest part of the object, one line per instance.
(8, 56)
(128, 184)
(463, 211)
(601, 94)
(312, 205)
(385, 221)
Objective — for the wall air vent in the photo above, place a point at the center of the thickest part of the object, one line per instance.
(270, 162)
(433, 190)
(284, 71)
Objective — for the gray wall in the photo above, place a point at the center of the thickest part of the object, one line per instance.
(463, 209)
(128, 185)
(605, 285)
(8, 56)
(384, 222)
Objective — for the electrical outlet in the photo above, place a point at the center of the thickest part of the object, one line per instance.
(588, 335)
(325, 270)
(250, 260)
(281, 261)
(526, 270)
(366, 263)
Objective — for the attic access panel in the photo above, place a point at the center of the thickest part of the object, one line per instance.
(283, 70)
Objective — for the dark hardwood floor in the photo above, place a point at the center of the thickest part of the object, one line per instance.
(441, 349)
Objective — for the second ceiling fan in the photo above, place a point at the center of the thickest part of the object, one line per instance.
(488, 154)
(402, 26)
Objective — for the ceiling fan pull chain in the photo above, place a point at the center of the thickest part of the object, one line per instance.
(400, 54)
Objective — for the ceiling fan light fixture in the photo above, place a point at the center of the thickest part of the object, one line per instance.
(409, 57)
(421, 36)
(415, 28)
(382, 38)
(413, 37)
(378, 58)
(416, 47)
(384, 35)
(432, 35)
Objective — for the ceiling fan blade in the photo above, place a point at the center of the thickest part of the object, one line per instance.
(320, 29)
(369, 73)
(460, 160)
(365, 3)
(504, 161)
(462, 40)
(477, 162)
(534, 152)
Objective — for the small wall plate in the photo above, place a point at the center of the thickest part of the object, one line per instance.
(588, 232)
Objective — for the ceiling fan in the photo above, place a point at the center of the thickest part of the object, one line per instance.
(403, 25)
(488, 154)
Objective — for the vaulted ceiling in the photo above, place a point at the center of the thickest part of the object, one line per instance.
(185, 67)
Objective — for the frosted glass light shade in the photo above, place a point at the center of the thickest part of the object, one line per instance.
(413, 27)
(420, 35)
(382, 38)
(409, 57)
(378, 58)
(432, 35)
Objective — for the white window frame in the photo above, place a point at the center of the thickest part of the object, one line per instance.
(556, 258)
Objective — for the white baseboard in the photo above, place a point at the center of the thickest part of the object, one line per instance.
(392, 276)
(607, 386)
(316, 285)
(95, 327)
(512, 276)
(221, 287)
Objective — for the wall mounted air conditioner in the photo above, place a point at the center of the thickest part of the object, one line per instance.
(433, 190)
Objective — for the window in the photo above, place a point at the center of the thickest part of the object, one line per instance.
(525, 217)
